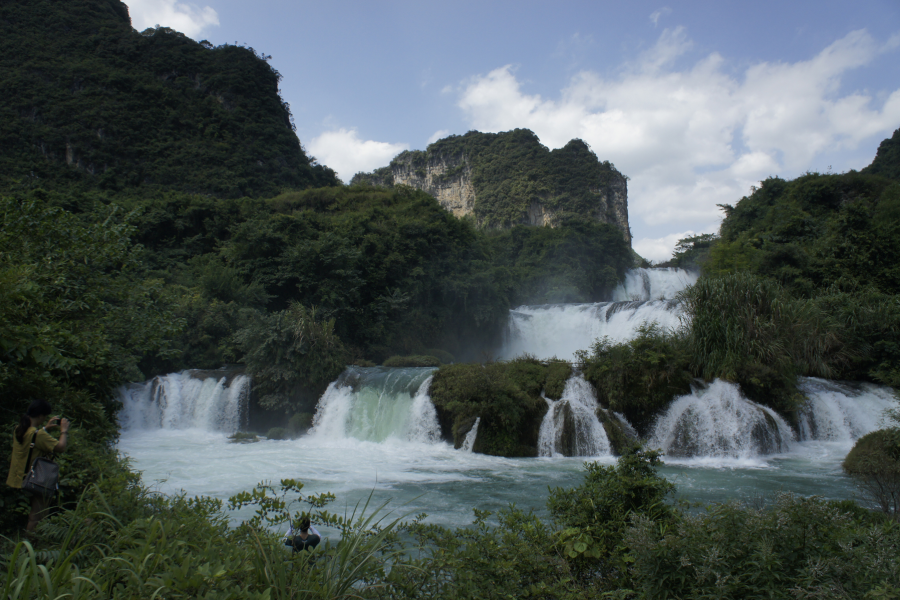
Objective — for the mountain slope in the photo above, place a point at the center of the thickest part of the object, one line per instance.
(90, 103)
(510, 178)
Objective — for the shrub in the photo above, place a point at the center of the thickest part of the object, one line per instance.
(799, 548)
(300, 422)
(412, 361)
(874, 462)
(277, 433)
(594, 516)
(748, 329)
(506, 396)
(640, 377)
(442, 355)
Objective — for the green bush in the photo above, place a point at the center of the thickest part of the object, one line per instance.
(277, 433)
(748, 329)
(300, 423)
(799, 548)
(594, 517)
(640, 377)
(292, 356)
(412, 361)
(874, 462)
(506, 396)
(442, 355)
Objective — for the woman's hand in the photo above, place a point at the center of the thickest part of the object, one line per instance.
(64, 426)
(53, 423)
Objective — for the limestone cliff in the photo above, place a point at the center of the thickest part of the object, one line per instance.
(506, 179)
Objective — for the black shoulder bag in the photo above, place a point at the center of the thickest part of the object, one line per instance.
(43, 476)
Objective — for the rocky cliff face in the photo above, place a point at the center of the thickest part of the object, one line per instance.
(508, 179)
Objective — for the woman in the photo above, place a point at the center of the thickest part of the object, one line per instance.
(44, 445)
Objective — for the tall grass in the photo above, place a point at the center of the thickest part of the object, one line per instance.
(741, 317)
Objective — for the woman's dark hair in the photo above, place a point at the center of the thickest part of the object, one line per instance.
(37, 408)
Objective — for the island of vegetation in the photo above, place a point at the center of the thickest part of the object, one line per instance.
(157, 212)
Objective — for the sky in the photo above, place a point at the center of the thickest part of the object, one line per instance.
(695, 102)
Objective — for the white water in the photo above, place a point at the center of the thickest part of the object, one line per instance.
(560, 330)
(842, 412)
(653, 284)
(469, 441)
(183, 400)
(571, 426)
(432, 477)
(718, 422)
(376, 404)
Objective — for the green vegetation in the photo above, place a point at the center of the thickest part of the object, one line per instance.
(874, 462)
(639, 378)
(412, 361)
(512, 171)
(91, 104)
(613, 536)
(505, 395)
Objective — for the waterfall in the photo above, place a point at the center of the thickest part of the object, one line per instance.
(842, 412)
(469, 442)
(571, 426)
(718, 422)
(377, 404)
(653, 284)
(210, 400)
(560, 330)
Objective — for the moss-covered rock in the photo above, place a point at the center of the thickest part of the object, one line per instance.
(505, 395)
(620, 438)
(277, 433)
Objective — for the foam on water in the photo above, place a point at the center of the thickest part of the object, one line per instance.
(718, 422)
(571, 426)
(376, 404)
(560, 330)
(842, 412)
(185, 400)
(469, 441)
(653, 284)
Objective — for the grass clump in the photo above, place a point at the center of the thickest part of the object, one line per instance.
(412, 361)
(277, 433)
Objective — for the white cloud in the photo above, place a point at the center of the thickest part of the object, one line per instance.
(347, 154)
(188, 18)
(440, 133)
(655, 15)
(659, 249)
(700, 135)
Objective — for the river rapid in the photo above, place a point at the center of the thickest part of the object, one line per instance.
(375, 431)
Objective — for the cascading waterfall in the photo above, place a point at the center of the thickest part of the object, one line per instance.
(571, 426)
(842, 412)
(190, 399)
(378, 403)
(717, 421)
(653, 284)
(560, 330)
(469, 442)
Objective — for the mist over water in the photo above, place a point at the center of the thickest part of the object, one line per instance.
(376, 429)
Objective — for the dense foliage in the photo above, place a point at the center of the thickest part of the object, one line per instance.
(506, 396)
(89, 103)
(613, 536)
(512, 171)
(640, 377)
(76, 317)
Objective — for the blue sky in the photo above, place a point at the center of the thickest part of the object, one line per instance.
(695, 102)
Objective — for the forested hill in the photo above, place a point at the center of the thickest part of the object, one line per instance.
(510, 178)
(887, 161)
(89, 103)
